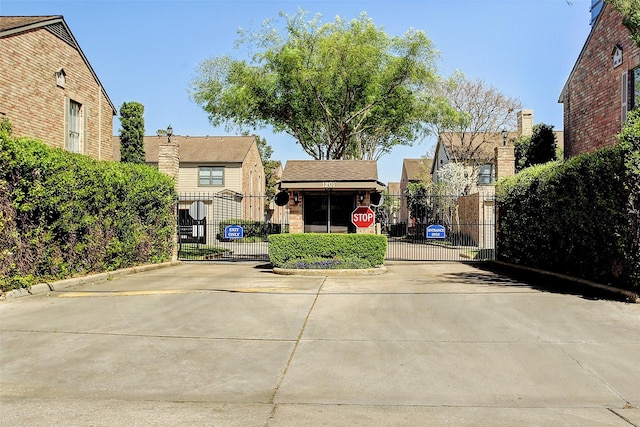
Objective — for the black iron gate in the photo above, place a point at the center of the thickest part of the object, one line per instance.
(227, 226)
(428, 227)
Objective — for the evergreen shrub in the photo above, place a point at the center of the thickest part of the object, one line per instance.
(64, 214)
(575, 217)
(363, 250)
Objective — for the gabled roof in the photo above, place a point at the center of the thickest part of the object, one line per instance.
(483, 144)
(416, 168)
(341, 173)
(55, 24)
(202, 149)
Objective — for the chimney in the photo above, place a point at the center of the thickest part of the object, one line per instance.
(525, 122)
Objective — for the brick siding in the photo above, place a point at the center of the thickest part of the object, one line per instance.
(35, 105)
(592, 97)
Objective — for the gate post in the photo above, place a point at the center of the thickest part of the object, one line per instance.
(169, 164)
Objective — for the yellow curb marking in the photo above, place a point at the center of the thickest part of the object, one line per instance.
(170, 292)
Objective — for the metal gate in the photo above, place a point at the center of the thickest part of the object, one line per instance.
(227, 226)
(428, 227)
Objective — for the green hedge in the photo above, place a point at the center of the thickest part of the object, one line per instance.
(65, 214)
(369, 248)
(573, 218)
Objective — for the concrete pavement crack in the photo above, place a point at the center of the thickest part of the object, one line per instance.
(293, 352)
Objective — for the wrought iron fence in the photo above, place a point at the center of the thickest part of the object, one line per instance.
(227, 226)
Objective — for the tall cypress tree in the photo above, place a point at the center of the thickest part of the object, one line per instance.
(132, 132)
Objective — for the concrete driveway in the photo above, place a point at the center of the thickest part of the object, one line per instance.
(232, 344)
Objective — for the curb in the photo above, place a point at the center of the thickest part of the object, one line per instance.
(41, 288)
(631, 296)
(330, 272)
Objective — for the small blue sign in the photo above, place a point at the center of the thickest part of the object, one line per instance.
(436, 232)
(233, 232)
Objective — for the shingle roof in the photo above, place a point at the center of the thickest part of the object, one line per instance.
(199, 149)
(417, 168)
(14, 22)
(483, 144)
(330, 170)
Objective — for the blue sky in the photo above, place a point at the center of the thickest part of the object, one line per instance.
(148, 50)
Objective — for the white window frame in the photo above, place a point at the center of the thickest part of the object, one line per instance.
(75, 126)
(206, 177)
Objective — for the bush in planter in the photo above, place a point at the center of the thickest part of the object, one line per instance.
(285, 249)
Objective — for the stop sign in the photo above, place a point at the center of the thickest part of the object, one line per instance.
(362, 217)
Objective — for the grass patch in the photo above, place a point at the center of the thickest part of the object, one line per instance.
(200, 252)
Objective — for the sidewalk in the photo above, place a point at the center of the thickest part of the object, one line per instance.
(232, 344)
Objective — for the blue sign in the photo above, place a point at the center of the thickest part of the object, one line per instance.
(436, 232)
(233, 232)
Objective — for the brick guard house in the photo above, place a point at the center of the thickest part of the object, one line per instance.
(324, 193)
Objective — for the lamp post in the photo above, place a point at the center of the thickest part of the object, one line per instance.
(169, 133)
(504, 137)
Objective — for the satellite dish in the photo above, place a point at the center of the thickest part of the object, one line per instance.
(282, 198)
(376, 199)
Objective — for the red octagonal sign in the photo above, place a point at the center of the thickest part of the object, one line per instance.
(362, 217)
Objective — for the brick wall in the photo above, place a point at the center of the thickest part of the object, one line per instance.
(35, 104)
(253, 184)
(592, 97)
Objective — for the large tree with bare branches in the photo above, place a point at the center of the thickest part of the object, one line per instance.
(483, 113)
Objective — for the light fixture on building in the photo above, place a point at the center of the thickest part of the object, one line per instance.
(296, 198)
(361, 197)
(169, 133)
(504, 137)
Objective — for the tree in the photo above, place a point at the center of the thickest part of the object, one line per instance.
(540, 147)
(482, 112)
(270, 168)
(342, 89)
(630, 10)
(132, 132)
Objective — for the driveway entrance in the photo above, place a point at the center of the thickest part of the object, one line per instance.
(233, 344)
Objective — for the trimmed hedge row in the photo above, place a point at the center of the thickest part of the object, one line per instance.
(369, 248)
(574, 217)
(64, 214)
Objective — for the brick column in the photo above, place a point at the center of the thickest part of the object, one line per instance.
(505, 161)
(169, 164)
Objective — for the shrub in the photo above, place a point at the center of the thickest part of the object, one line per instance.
(287, 249)
(65, 214)
(570, 218)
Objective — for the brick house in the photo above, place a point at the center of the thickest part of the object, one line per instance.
(49, 91)
(225, 173)
(603, 85)
(413, 171)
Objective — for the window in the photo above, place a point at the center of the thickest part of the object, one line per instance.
(75, 126)
(485, 174)
(210, 175)
(635, 88)
(630, 91)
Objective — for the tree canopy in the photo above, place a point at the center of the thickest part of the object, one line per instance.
(342, 89)
(540, 147)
